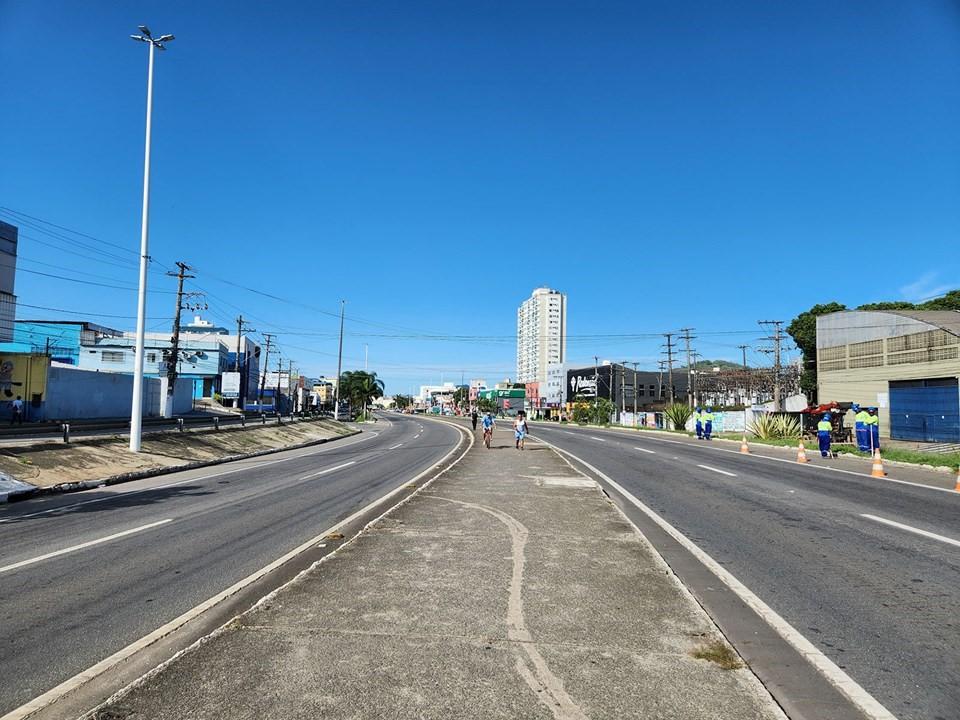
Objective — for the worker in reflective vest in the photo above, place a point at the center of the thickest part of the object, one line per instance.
(873, 429)
(707, 419)
(860, 426)
(824, 428)
(697, 422)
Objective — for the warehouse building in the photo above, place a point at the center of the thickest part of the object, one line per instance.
(906, 363)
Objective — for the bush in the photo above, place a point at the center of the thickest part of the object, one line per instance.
(775, 427)
(602, 410)
(678, 414)
(582, 413)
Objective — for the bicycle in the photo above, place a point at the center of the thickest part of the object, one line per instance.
(487, 437)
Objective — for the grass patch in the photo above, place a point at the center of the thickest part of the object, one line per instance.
(720, 653)
(950, 460)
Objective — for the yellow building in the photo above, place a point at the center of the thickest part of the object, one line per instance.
(23, 375)
(905, 363)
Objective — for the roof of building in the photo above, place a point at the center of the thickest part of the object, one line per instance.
(948, 320)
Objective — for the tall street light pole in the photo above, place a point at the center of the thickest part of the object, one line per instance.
(336, 401)
(136, 408)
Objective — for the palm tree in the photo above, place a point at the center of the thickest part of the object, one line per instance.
(360, 387)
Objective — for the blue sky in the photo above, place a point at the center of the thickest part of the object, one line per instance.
(666, 164)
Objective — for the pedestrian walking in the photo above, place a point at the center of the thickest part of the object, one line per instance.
(520, 429)
(860, 428)
(698, 422)
(16, 411)
(473, 419)
(824, 429)
(707, 419)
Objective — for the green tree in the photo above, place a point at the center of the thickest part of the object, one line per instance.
(402, 402)
(950, 301)
(896, 305)
(602, 410)
(360, 387)
(582, 413)
(486, 405)
(803, 330)
(461, 397)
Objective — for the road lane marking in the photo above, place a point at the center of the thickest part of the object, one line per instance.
(845, 684)
(395, 446)
(594, 437)
(651, 452)
(85, 676)
(909, 528)
(716, 470)
(329, 470)
(81, 546)
(117, 495)
(808, 466)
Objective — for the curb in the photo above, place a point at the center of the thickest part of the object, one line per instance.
(81, 485)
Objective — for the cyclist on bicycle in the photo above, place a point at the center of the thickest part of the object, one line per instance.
(488, 425)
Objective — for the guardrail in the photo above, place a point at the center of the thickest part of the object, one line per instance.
(66, 428)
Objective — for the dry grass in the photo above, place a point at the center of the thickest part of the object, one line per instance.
(720, 653)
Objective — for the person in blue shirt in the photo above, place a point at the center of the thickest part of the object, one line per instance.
(488, 425)
(824, 428)
(698, 423)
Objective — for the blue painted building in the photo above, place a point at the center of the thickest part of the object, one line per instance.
(60, 339)
(203, 357)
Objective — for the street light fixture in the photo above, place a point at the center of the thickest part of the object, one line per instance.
(136, 409)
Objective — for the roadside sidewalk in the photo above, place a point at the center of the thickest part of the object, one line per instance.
(509, 588)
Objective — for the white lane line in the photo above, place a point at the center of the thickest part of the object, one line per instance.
(81, 546)
(395, 446)
(716, 470)
(85, 676)
(594, 437)
(909, 528)
(329, 470)
(849, 687)
(652, 452)
(115, 495)
(808, 466)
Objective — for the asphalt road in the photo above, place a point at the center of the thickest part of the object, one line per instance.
(193, 535)
(880, 601)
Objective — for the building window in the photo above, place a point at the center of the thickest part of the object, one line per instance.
(112, 356)
(151, 357)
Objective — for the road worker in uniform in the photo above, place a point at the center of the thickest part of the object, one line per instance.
(707, 419)
(697, 422)
(824, 428)
(873, 429)
(860, 426)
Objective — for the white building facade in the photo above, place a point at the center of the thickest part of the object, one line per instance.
(541, 334)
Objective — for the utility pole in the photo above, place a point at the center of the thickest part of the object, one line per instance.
(276, 391)
(266, 365)
(173, 355)
(691, 394)
(623, 389)
(596, 378)
(136, 405)
(634, 391)
(669, 347)
(241, 393)
(336, 399)
(662, 364)
(746, 375)
(293, 403)
(777, 339)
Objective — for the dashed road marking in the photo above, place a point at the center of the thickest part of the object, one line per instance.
(394, 447)
(329, 470)
(651, 452)
(910, 528)
(81, 546)
(716, 470)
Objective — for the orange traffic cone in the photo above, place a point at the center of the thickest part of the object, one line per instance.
(744, 448)
(877, 470)
(801, 453)
(957, 488)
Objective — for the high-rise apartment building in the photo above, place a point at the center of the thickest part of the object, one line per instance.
(8, 274)
(541, 334)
